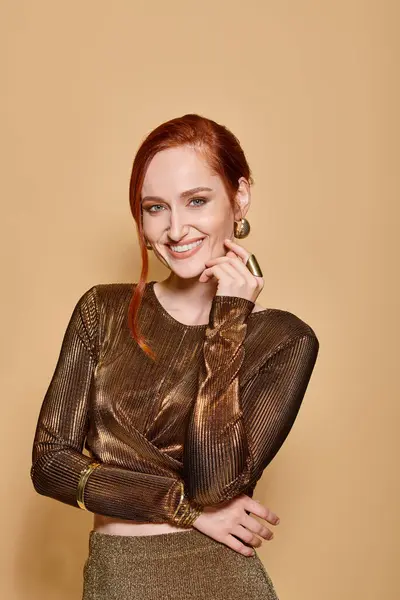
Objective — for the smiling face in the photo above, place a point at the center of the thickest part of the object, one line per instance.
(183, 201)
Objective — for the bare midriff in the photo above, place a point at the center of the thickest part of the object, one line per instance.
(114, 526)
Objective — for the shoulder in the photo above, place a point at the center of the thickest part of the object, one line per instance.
(102, 299)
(276, 328)
(106, 293)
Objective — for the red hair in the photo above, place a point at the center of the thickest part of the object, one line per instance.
(224, 155)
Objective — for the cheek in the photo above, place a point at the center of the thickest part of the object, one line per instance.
(151, 225)
(214, 224)
(219, 231)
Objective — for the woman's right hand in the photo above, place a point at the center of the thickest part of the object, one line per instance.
(230, 519)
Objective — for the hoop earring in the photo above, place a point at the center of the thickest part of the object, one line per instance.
(241, 228)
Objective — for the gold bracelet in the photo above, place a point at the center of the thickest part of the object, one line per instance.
(189, 518)
(84, 476)
(187, 510)
(180, 501)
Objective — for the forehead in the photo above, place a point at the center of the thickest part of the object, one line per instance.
(175, 170)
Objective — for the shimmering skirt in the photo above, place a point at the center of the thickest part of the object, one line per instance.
(181, 565)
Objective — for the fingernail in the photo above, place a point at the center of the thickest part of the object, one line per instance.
(277, 521)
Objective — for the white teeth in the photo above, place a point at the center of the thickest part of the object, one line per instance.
(186, 247)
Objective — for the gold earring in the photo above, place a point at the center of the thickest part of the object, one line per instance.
(148, 246)
(241, 228)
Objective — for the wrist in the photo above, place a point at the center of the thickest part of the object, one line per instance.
(230, 310)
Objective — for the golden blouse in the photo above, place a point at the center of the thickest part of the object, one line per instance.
(210, 413)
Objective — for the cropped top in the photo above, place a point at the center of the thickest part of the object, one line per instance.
(208, 415)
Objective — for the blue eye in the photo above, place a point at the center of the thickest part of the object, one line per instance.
(202, 200)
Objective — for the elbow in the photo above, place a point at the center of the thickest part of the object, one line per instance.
(215, 496)
(39, 479)
(214, 493)
(45, 476)
(209, 497)
(55, 474)
(214, 486)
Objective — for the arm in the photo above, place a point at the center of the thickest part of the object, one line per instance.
(234, 433)
(57, 459)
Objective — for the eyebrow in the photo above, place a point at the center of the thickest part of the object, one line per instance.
(183, 194)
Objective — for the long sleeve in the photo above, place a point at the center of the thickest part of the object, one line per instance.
(234, 432)
(57, 458)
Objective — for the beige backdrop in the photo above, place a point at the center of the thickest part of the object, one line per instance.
(309, 88)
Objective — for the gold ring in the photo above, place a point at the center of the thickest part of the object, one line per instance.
(253, 266)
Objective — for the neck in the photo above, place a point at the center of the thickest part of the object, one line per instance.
(188, 296)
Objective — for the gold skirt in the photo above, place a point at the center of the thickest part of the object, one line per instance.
(180, 565)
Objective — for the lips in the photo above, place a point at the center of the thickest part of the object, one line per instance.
(185, 242)
(186, 253)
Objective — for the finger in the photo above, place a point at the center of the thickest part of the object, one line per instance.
(238, 264)
(222, 269)
(261, 511)
(239, 250)
(247, 536)
(231, 269)
(238, 546)
(255, 526)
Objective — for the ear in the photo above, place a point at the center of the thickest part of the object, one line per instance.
(242, 199)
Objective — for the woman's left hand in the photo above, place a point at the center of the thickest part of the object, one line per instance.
(234, 278)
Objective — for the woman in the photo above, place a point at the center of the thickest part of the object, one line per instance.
(182, 391)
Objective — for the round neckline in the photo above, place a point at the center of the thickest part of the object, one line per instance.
(150, 287)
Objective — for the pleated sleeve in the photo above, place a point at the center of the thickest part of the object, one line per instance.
(57, 458)
(234, 432)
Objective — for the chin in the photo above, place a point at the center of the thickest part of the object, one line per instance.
(186, 272)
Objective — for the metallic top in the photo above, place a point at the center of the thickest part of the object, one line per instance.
(211, 412)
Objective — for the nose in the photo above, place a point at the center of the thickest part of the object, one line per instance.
(177, 229)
